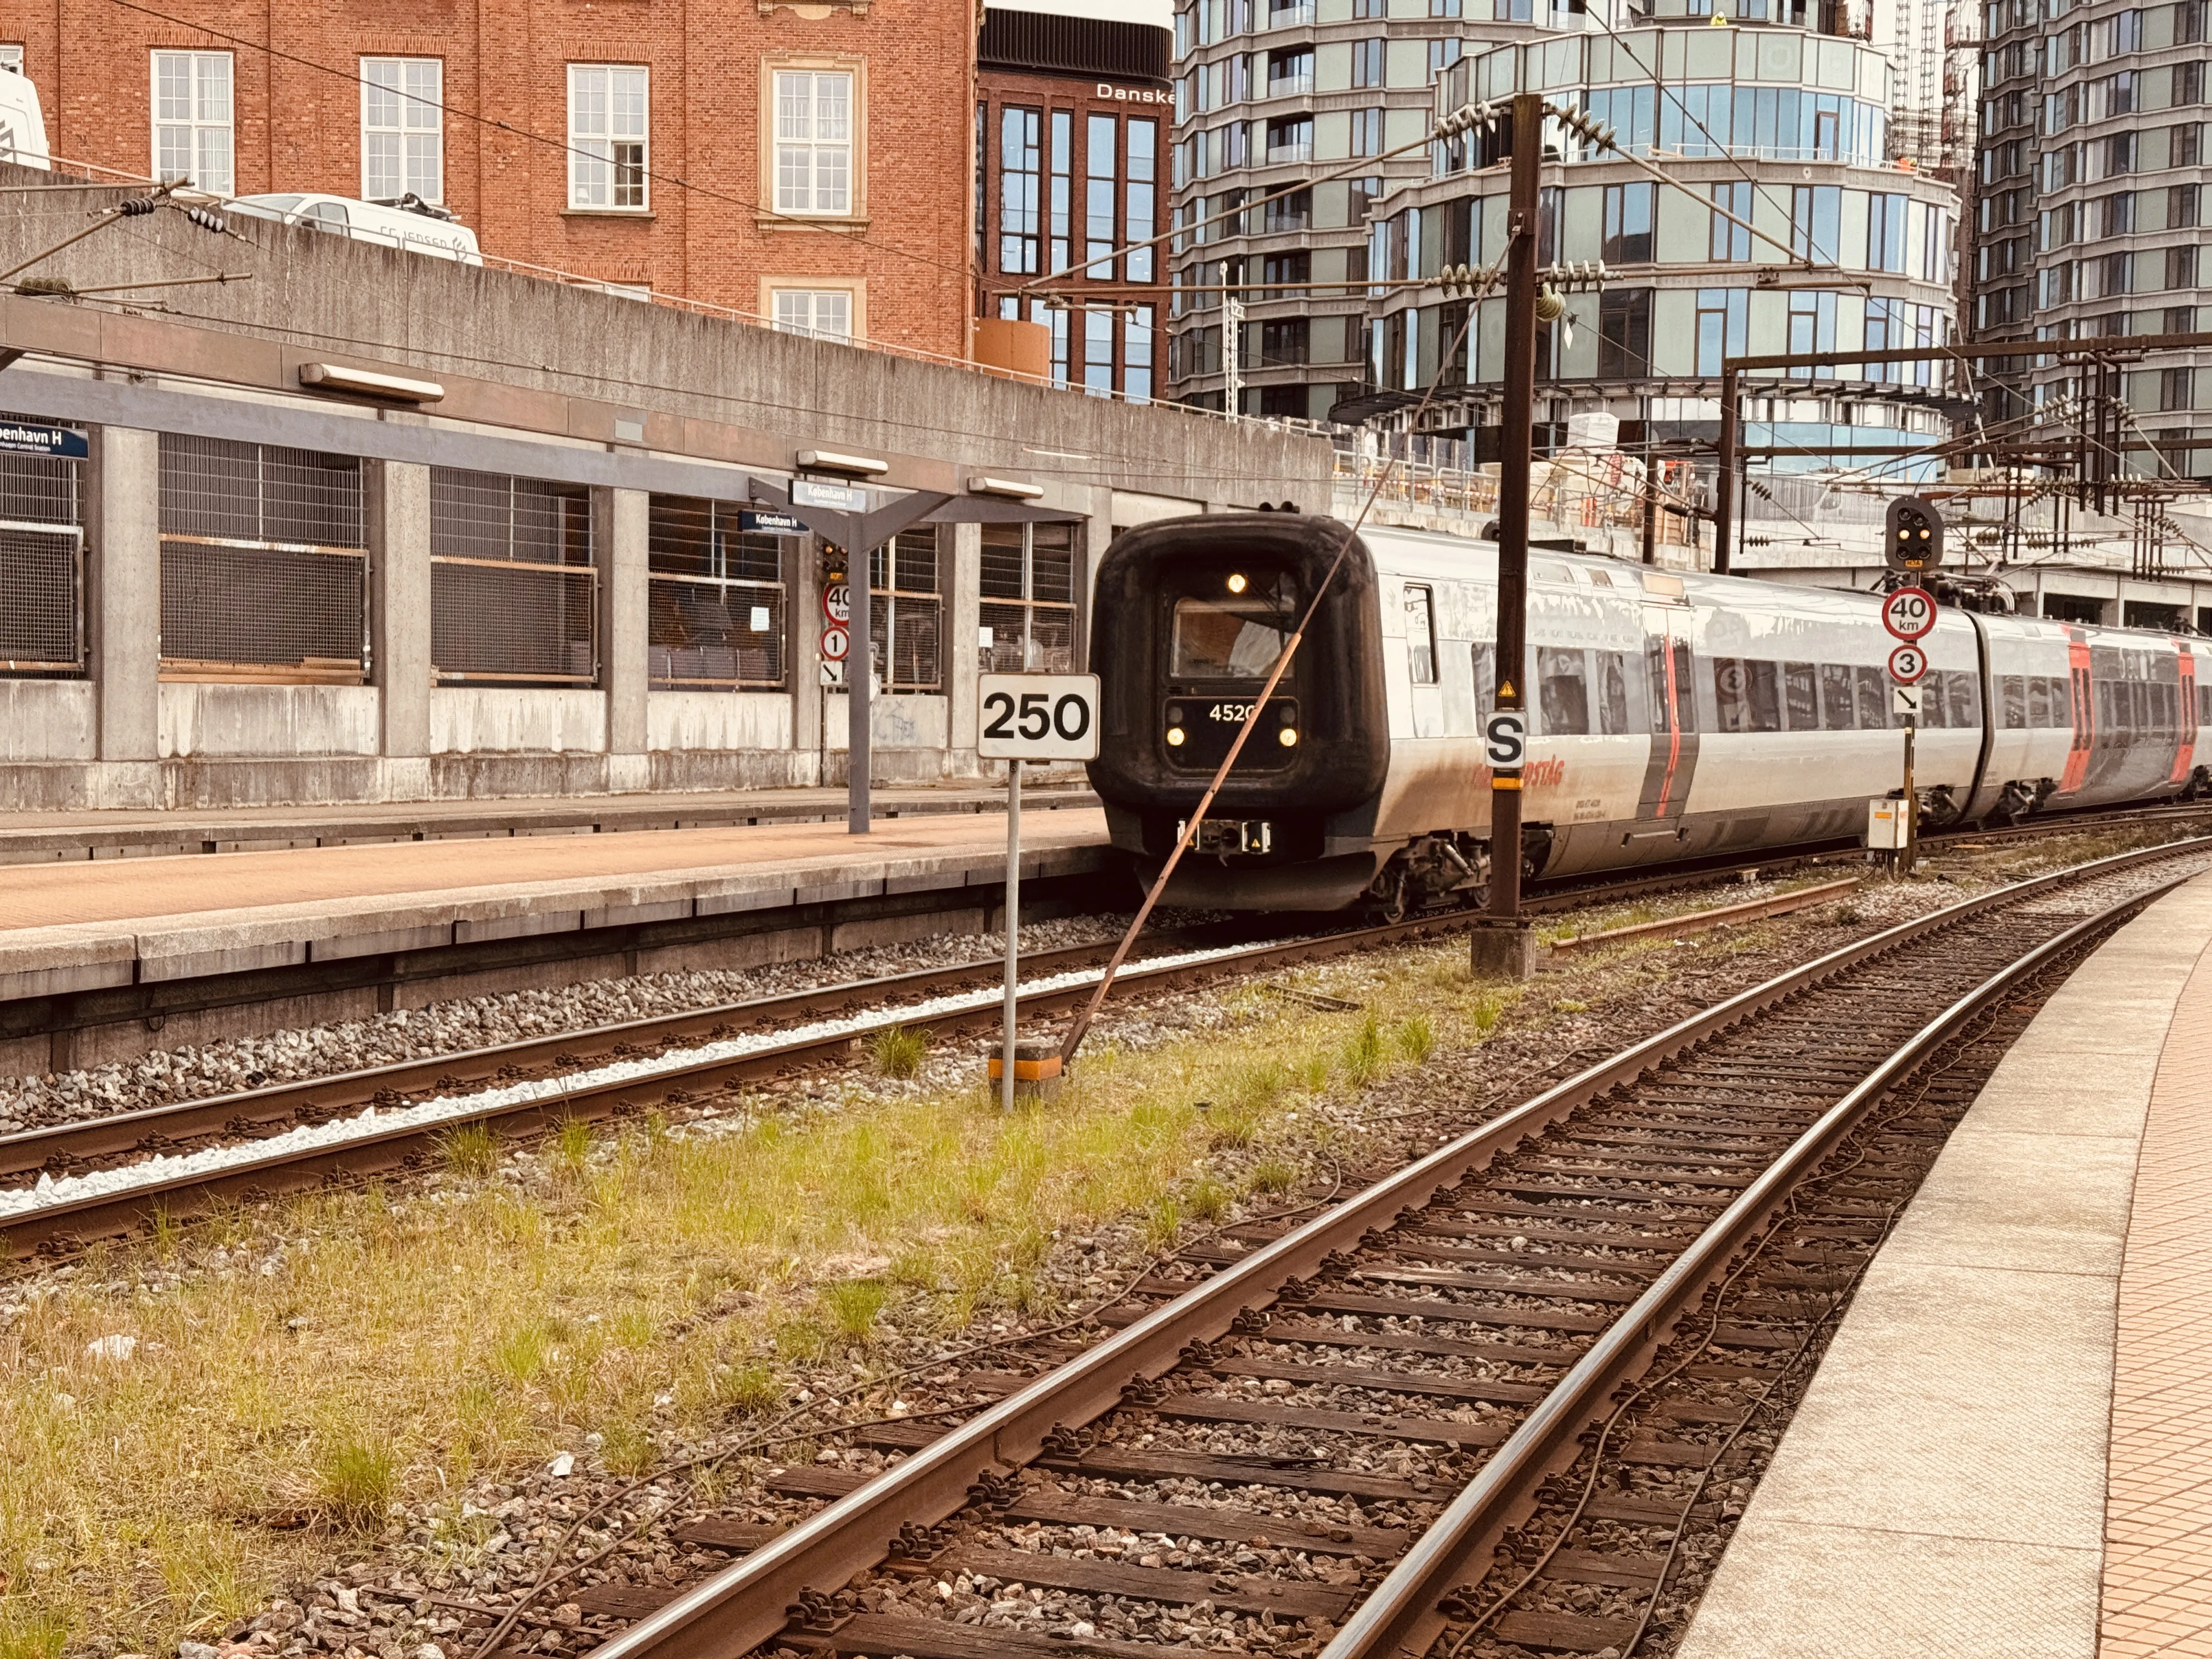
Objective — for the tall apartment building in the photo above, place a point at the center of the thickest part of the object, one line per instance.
(1781, 125)
(1073, 120)
(2089, 213)
(1268, 95)
(793, 160)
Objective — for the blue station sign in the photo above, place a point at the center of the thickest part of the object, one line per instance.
(19, 438)
(769, 524)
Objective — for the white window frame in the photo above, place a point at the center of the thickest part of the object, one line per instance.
(786, 298)
(815, 169)
(11, 57)
(198, 126)
(414, 87)
(597, 137)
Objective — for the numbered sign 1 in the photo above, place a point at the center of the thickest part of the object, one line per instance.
(1504, 739)
(1038, 717)
(1907, 664)
(1909, 613)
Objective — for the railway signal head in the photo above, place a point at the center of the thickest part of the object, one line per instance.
(1915, 540)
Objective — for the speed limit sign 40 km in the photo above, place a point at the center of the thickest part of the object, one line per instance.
(1037, 717)
(1909, 613)
(1907, 664)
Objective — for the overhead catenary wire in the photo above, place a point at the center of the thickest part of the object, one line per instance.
(1081, 1023)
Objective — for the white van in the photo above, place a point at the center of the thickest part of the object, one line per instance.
(419, 228)
(22, 121)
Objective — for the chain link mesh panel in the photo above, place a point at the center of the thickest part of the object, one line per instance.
(41, 566)
(235, 612)
(41, 624)
(265, 571)
(514, 595)
(717, 598)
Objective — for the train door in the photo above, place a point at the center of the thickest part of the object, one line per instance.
(2185, 714)
(1673, 708)
(2085, 716)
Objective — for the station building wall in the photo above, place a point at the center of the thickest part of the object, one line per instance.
(251, 593)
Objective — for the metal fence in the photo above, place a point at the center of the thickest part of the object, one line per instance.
(513, 593)
(1029, 598)
(264, 567)
(906, 611)
(718, 599)
(41, 566)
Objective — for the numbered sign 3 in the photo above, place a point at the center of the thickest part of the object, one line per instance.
(1037, 717)
(1909, 613)
(1907, 664)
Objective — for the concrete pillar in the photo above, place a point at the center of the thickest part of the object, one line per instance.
(804, 585)
(619, 519)
(1098, 535)
(123, 502)
(395, 503)
(963, 614)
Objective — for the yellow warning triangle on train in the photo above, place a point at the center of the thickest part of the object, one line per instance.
(1505, 689)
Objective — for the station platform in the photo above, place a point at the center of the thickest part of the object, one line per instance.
(128, 946)
(50, 837)
(2008, 1449)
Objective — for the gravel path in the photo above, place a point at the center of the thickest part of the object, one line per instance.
(193, 1073)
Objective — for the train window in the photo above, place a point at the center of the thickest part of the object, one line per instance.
(1728, 693)
(2062, 701)
(1874, 698)
(2204, 705)
(1563, 687)
(1230, 638)
(1761, 681)
(1613, 691)
(1600, 579)
(1420, 635)
(1931, 698)
(2012, 691)
(1800, 687)
(1486, 677)
(1960, 691)
(1836, 714)
(1659, 675)
(2039, 702)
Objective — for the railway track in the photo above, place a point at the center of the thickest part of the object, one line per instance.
(319, 1136)
(1551, 1334)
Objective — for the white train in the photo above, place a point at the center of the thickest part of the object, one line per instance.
(1670, 715)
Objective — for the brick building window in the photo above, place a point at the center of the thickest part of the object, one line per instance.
(403, 145)
(1138, 199)
(1100, 145)
(192, 119)
(813, 142)
(823, 313)
(607, 136)
(1018, 188)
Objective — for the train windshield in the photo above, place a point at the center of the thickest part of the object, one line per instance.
(1232, 636)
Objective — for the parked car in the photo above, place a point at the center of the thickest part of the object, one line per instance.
(410, 222)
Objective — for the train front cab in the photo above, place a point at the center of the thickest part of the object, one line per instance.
(1191, 615)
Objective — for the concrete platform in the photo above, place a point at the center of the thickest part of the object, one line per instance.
(97, 956)
(2007, 1450)
(50, 837)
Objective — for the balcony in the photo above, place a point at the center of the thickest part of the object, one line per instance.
(1301, 152)
(1287, 17)
(1289, 86)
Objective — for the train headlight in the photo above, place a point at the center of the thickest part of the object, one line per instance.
(1175, 736)
(1288, 737)
(1236, 582)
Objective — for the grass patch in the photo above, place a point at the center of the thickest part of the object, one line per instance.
(355, 1482)
(897, 1052)
(571, 1145)
(1272, 1176)
(470, 1150)
(1207, 1200)
(854, 1306)
(1361, 1061)
(1417, 1038)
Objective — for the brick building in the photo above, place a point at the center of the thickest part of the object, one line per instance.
(1072, 121)
(794, 160)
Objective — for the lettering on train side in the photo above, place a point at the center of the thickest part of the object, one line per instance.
(1543, 774)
